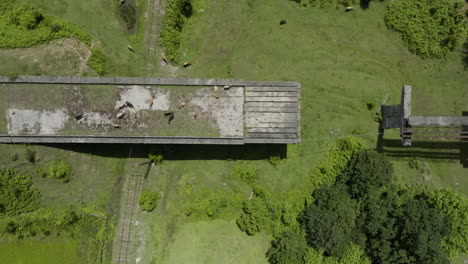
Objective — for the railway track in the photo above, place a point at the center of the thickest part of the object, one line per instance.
(154, 16)
(129, 205)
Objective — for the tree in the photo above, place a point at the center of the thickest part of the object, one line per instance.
(367, 170)
(454, 206)
(330, 220)
(289, 248)
(399, 229)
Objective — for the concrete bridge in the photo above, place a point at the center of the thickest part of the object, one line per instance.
(46, 109)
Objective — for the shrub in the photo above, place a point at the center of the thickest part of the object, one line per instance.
(245, 173)
(429, 28)
(156, 159)
(148, 200)
(16, 193)
(30, 155)
(14, 157)
(23, 27)
(98, 62)
(56, 169)
(274, 160)
(177, 12)
(289, 248)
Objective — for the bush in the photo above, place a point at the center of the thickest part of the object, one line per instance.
(98, 62)
(156, 159)
(56, 169)
(274, 160)
(22, 27)
(148, 200)
(16, 193)
(177, 12)
(245, 173)
(14, 157)
(30, 155)
(289, 248)
(429, 28)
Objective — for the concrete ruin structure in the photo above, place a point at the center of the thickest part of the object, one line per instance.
(45, 109)
(427, 127)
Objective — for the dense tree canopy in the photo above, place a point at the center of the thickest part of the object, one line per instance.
(330, 220)
(368, 169)
(289, 248)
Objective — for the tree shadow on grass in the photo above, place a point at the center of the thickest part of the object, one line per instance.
(180, 152)
(364, 4)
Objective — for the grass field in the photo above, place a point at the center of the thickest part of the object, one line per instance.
(99, 18)
(344, 61)
(35, 251)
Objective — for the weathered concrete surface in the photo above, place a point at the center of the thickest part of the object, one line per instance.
(214, 111)
(438, 120)
(140, 81)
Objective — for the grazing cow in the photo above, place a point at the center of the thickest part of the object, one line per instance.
(151, 101)
(283, 22)
(216, 95)
(227, 87)
(182, 105)
(186, 64)
(349, 9)
(130, 48)
(120, 115)
(195, 116)
(171, 117)
(116, 126)
(164, 59)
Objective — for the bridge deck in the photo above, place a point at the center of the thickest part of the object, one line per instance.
(38, 109)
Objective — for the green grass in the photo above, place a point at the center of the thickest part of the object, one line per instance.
(37, 251)
(216, 242)
(342, 60)
(100, 19)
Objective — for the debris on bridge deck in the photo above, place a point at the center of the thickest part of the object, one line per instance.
(242, 112)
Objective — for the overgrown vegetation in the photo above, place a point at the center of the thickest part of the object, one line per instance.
(98, 62)
(177, 12)
(429, 28)
(156, 158)
(148, 200)
(363, 218)
(57, 169)
(277, 214)
(17, 195)
(22, 27)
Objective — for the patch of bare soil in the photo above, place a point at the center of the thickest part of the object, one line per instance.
(59, 57)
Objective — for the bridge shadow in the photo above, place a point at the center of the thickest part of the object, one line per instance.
(180, 152)
(436, 151)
